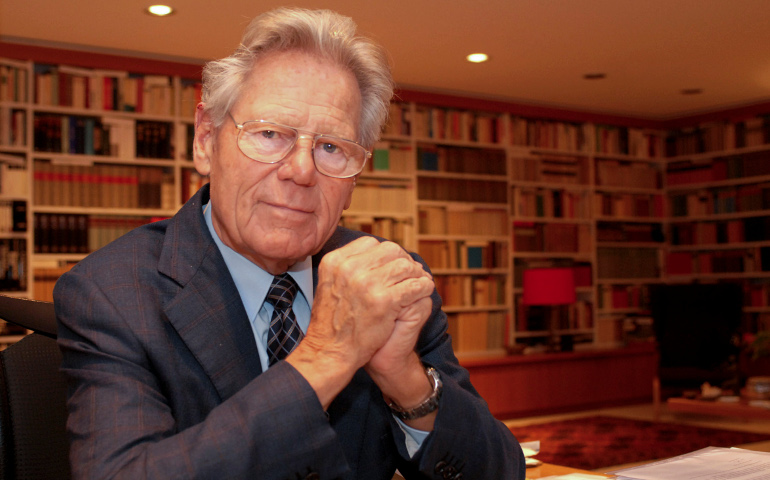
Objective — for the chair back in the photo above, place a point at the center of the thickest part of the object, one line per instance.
(33, 412)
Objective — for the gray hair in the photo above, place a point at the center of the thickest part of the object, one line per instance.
(321, 32)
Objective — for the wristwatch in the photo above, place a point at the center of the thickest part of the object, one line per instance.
(426, 407)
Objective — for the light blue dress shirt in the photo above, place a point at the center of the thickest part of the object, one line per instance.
(253, 283)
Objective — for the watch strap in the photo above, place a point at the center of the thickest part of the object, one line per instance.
(429, 405)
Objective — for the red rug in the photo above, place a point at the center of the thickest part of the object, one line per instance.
(593, 443)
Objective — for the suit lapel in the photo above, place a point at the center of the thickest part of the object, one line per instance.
(207, 311)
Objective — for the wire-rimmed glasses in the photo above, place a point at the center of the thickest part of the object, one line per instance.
(268, 142)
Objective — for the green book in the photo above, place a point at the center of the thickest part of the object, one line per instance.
(381, 159)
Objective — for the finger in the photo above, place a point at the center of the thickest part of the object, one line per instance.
(416, 313)
(412, 290)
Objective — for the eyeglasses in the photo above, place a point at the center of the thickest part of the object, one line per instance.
(268, 142)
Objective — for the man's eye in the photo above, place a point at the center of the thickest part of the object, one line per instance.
(330, 148)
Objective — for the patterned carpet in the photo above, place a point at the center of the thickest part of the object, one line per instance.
(593, 443)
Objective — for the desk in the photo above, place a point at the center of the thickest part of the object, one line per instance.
(546, 470)
(712, 407)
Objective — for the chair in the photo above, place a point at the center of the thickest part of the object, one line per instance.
(696, 326)
(33, 413)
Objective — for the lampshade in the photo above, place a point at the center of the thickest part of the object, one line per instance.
(549, 286)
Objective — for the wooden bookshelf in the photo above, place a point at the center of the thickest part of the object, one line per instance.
(719, 211)
(92, 145)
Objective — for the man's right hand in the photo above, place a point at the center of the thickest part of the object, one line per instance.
(363, 288)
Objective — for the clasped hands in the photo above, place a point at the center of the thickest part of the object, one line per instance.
(371, 302)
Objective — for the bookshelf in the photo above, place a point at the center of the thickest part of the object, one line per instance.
(462, 214)
(719, 218)
(93, 145)
(86, 154)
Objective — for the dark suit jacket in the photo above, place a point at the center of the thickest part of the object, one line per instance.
(166, 380)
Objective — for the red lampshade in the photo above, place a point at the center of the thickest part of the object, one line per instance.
(549, 286)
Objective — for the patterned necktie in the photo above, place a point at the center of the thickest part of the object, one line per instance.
(284, 332)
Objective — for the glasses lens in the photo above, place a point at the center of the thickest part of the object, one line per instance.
(266, 142)
(336, 157)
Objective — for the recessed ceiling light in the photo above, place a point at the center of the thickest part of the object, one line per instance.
(160, 10)
(477, 57)
(691, 91)
(595, 76)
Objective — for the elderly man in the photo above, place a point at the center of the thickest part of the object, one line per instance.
(249, 336)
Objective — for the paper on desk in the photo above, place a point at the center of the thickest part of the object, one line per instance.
(711, 463)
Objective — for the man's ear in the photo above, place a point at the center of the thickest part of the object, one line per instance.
(203, 144)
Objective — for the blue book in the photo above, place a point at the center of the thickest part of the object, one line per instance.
(475, 257)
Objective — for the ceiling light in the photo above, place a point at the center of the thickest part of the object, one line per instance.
(160, 10)
(477, 57)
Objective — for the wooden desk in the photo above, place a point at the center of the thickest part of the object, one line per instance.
(546, 470)
(712, 407)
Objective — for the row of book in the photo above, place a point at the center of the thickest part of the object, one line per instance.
(707, 233)
(13, 216)
(745, 165)
(718, 136)
(192, 181)
(190, 97)
(399, 120)
(80, 234)
(123, 138)
(629, 232)
(622, 263)
(462, 221)
(551, 169)
(463, 254)
(45, 280)
(457, 125)
(399, 231)
(551, 237)
(627, 205)
(65, 86)
(395, 198)
(634, 142)
(13, 127)
(619, 297)
(572, 137)
(549, 203)
(471, 290)
(477, 332)
(480, 161)
(103, 186)
(462, 190)
(616, 173)
(13, 84)
(747, 198)
(757, 294)
(14, 178)
(13, 264)
(391, 157)
(722, 261)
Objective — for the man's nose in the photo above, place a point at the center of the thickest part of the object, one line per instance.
(299, 164)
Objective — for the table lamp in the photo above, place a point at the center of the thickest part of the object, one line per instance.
(550, 287)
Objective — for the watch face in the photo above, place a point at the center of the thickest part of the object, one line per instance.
(426, 407)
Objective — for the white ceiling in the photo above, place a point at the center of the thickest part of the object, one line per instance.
(540, 49)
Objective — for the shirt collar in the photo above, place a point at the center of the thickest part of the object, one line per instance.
(253, 282)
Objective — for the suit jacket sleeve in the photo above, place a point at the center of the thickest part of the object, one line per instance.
(127, 421)
(467, 441)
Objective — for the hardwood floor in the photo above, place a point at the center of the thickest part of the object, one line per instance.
(646, 412)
